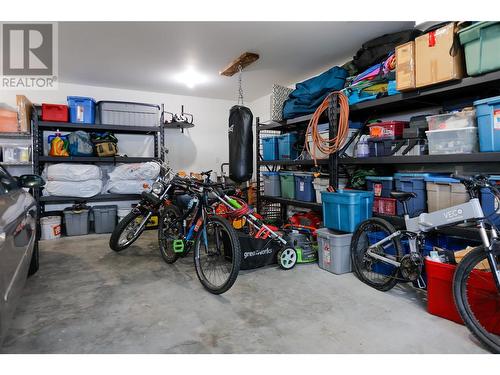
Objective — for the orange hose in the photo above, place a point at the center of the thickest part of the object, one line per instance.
(328, 146)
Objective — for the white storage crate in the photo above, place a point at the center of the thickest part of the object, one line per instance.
(456, 120)
(452, 141)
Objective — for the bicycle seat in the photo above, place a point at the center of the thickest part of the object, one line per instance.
(402, 196)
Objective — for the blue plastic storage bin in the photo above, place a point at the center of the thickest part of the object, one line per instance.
(344, 210)
(270, 148)
(287, 146)
(304, 189)
(81, 109)
(488, 123)
(488, 201)
(412, 183)
(380, 185)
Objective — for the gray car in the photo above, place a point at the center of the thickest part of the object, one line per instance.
(18, 249)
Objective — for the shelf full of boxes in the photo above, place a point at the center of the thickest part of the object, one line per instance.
(436, 125)
(84, 115)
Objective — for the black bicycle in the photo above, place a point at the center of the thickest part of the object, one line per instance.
(194, 226)
(379, 259)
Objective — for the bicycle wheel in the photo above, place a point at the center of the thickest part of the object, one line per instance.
(125, 232)
(477, 297)
(217, 256)
(376, 273)
(169, 229)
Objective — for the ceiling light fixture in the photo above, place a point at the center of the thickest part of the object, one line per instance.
(191, 77)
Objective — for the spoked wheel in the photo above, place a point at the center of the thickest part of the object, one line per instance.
(217, 255)
(287, 258)
(376, 273)
(127, 230)
(169, 230)
(477, 297)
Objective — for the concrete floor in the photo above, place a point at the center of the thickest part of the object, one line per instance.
(88, 299)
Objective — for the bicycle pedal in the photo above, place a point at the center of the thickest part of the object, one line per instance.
(178, 246)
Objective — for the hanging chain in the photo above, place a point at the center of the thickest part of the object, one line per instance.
(240, 85)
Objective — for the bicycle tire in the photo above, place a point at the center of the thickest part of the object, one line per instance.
(114, 240)
(357, 259)
(167, 252)
(235, 260)
(465, 267)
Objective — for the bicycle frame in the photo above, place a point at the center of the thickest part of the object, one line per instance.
(427, 222)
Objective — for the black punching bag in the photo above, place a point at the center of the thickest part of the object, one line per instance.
(240, 144)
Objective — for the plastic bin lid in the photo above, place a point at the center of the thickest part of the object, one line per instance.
(304, 174)
(106, 207)
(388, 123)
(467, 36)
(492, 100)
(270, 173)
(286, 173)
(444, 179)
(270, 138)
(80, 98)
(450, 130)
(376, 178)
(348, 192)
(413, 175)
(494, 177)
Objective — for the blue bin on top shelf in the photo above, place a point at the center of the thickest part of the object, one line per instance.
(488, 201)
(287, 146)
(81, 109)
(345, 209)
(380, 185)
(488, 123)
(412, 183)
(270, 148)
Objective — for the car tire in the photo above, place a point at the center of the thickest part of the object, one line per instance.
(35, 260)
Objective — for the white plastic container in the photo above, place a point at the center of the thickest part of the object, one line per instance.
(456, 120)
(452, 141)
(16, 153)
(320, 184)
(122, 212)
(50, 227)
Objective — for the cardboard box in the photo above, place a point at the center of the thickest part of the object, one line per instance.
(405, 66)
(24, 109)
(438, 57)
(8, 121)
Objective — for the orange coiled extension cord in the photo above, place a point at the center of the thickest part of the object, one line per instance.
(328, 146)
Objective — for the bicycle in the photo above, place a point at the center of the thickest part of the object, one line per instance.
(196, 227)
(383, 264)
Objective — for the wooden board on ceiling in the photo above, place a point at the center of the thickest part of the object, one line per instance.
(244, 60)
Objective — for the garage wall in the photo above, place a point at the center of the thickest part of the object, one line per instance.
(203, 147)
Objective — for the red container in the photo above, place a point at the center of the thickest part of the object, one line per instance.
(387, 129)
(440, 299)
(386, 206)
(55, 112)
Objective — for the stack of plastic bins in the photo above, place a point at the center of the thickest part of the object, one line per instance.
(488, 122)
(489, 203)
(334, 251)
(444, 192)
(345, 209)
(412, 183)
(270, 148)
(287, 146)
(382, 187)
(304, 189)
(287, 181)
(271, 184)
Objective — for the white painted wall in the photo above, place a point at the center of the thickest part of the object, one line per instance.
(203, 147)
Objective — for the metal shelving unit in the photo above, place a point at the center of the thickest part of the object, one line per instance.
(39, 159)
(450, 93)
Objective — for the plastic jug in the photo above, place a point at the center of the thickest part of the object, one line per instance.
(362, 150)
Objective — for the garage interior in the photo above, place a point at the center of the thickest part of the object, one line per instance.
(202, 187)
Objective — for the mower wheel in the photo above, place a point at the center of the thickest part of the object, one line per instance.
(287, 258)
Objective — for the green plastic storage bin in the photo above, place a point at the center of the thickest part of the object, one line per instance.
(481, 42)
(287, 181)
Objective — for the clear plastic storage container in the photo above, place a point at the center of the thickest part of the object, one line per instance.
(452, 141)
(456, 120)
(16, 154)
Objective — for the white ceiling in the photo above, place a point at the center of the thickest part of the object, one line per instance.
(147, 55)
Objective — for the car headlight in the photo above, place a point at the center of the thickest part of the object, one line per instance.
(157, 188)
